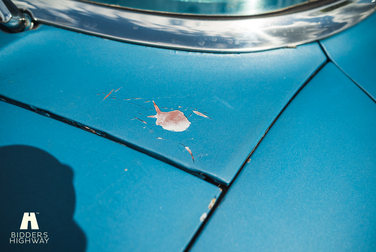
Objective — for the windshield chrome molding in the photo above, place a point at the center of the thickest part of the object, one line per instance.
(246, 34)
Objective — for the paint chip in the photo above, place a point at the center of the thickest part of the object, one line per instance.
(118, 89)
(172, 121)
(107, 95)
(203, 217)
(248, 161)
(140, 120)
(126, 170)
(212, 202)
(200, 114)
(190, 152)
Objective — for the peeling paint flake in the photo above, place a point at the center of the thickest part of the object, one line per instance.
(189, 150)
(200, 114)
(212, 202)
(118, 89)
(203, 217)
(107, 95)
(172, 121)
(140, 120)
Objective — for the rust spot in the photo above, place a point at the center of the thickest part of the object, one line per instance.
(172, 121)
(107, 95)
(200, 114)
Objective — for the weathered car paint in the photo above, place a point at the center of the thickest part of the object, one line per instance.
(311, 183)
(91, 192)
(354, 52)
(229, 100)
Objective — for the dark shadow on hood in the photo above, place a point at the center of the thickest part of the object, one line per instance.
(33, 181)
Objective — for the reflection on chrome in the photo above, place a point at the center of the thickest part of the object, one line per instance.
(211, 35)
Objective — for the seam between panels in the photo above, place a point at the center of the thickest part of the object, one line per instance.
(226, 188)
(344, 72)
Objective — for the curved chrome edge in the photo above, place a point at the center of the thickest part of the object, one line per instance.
(204, 35)
(11, 19)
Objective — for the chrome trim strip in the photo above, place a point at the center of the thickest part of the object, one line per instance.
(5, 15)
(201, 34)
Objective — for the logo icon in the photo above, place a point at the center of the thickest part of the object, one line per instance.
(29, 217)
(26, 237)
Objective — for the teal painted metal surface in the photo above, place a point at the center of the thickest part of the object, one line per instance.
(311, 183)
(354, 52)
(90, 194)
(226, 101)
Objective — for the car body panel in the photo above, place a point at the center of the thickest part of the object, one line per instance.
(91, 194)
(354, 52)
(311, 183)
(229, 99)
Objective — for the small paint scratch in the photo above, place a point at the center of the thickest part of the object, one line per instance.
(203, 217)
(118, 89)
(140, 120)
(200, 114)
(212, 202)
(107, 95)
(189, 151)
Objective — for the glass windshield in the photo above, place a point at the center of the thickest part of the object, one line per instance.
(207, 7)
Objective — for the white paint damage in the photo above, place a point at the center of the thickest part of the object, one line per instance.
(172, 121)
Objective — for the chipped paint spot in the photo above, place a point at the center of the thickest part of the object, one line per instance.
(203, 217)
(107, 95)
(212, 202)
(140, 120)
(147, 102)
(118, 89)
(200, 114)
(172, 121)
(190, 152)
(248, 161)
(137, 98)
(126, 170)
